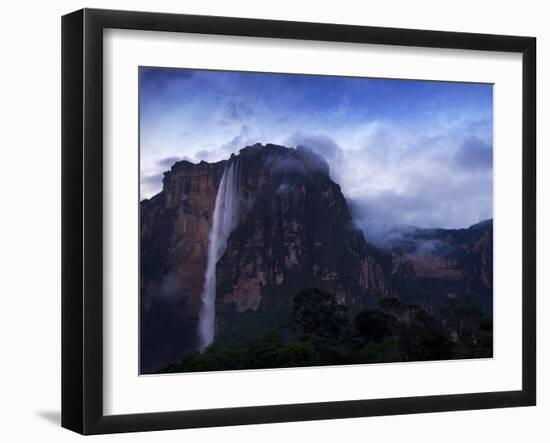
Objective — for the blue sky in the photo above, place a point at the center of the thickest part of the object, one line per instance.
(405, 152)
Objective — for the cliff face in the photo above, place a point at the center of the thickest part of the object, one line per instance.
(174, 245)
(431, 265)
(294, 230)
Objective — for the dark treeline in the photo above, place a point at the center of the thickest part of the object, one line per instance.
(321, 332)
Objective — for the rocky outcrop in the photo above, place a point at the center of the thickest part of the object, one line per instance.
(294, 231)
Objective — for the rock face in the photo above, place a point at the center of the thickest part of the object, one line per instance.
(294, 231)
(174, 245)
(431, 265)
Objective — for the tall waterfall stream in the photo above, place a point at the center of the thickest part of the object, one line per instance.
(225, 219)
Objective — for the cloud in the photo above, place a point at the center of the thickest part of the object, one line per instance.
(170, 287)
(415, 174)
(321, 144)
(301, 161)
(151, 177)
(239, 141)
(475, 154)
(150, 184)
(435, 201)
(283, 188)
(238, 110)
(167, 163)
(203, 154)
(403, 152)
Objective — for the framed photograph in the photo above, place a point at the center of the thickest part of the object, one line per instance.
(268, 221)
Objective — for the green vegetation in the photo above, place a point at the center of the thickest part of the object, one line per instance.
(320, 332)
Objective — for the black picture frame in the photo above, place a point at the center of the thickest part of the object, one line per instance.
(82, 218)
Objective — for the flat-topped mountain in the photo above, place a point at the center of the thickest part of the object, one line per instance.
(225, 247)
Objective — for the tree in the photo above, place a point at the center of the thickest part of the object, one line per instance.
(384, 351)
(425, 338)
(462, 315)
(316, 312)
(374, 325)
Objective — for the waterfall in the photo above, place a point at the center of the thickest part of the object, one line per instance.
(225, 218)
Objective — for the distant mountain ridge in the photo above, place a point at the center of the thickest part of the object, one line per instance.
(446, 262)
